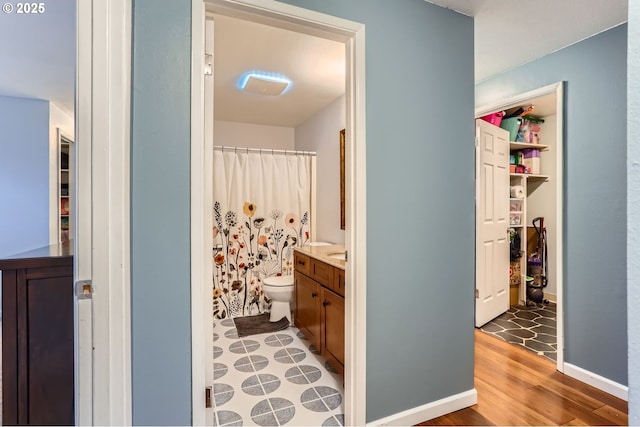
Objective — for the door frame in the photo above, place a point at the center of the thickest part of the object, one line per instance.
(558, 89)
(282, 15)
(102, 324)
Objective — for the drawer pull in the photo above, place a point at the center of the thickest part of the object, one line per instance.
(314, 294)
(325, 303)
(300, 262)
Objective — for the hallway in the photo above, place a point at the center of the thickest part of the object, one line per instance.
(518, 387)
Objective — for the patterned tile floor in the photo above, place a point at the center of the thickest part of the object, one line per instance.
(272, 379)
(531, 327)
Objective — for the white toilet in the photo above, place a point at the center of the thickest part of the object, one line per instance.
(280, 290)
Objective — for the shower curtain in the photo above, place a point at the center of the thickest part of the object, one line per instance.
(261, 212)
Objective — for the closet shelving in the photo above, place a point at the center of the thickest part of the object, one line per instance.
(64, 187)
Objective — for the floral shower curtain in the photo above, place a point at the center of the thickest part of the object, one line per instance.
(261, 212)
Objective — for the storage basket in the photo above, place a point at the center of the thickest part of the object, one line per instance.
(494, 118)
(512, 125)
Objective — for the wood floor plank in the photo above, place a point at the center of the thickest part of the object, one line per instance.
(613, 415)
(518, 387)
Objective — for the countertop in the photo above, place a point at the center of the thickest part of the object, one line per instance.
(321, 253)
(57, 254)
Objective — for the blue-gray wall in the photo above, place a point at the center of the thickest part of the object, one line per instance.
(420, 204)
(595, 253)
(24, 175)
(160, 215)
(633, 210)
(420, 200)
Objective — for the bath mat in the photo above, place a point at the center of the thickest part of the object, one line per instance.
(260, 324)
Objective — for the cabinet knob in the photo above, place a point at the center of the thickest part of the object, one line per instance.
(325, 303)
(314, 294)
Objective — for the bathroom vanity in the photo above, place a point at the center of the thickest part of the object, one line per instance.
(319, 299)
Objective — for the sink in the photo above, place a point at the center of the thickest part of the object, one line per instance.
(338, 255)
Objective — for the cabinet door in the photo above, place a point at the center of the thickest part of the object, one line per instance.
(333, 329)
(307, 310)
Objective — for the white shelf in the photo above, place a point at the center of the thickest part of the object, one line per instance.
(531, 176)
(516, 226)
(526, 145)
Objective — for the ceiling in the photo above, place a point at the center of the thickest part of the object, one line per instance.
(37, 53)
(509, 33)
(315, 66)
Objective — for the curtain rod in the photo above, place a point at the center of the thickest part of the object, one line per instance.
(264, 150)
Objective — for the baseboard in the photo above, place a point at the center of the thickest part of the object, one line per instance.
(551, 297)
(430, 410)
(618, 390)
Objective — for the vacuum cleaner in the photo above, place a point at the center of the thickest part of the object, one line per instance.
(537, 266)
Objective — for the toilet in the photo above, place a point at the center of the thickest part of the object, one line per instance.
(280, 290)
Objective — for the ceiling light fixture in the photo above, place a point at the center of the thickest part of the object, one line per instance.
(264, 83)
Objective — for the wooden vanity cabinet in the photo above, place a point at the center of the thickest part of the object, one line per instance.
(319, 307)
(307, 314)
(332, 329)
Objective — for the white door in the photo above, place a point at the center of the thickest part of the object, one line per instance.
(492, 213)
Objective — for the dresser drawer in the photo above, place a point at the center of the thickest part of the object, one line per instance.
(322, 272)
(302, 263)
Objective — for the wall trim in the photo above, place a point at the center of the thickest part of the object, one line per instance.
(430, 410)
(615, 389)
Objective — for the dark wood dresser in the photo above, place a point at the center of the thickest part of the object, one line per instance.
(37, 337)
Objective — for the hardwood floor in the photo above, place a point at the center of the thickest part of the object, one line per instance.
(518, 387)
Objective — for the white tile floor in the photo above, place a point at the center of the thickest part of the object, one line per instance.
(272, 379)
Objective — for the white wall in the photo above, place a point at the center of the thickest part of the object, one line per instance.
(24, 175)
(321, 134)
(234, 134)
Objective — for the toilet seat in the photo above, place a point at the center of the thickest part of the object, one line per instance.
(279, 281)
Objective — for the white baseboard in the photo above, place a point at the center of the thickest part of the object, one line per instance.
(618, 390)
(551, 297)
(430, 410)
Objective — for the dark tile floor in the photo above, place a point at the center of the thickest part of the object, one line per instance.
(531, 327)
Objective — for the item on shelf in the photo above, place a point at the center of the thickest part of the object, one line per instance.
(529, 131)
(64, 206)
(511, 125)
(515, 205)
(64, 189)
(494, 118)
(512, 168)
(520, 169)
(515, 218)
(531, 160)
(517, 191)
(64, 160)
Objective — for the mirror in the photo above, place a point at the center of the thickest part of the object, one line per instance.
(342, 204)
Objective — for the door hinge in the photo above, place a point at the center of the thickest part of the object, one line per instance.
(207, 397)
(477, 293)
(208, 69)
(84, 289)
(346, 256)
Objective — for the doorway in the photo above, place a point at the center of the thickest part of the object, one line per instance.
(305, 21)
(528, 318)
